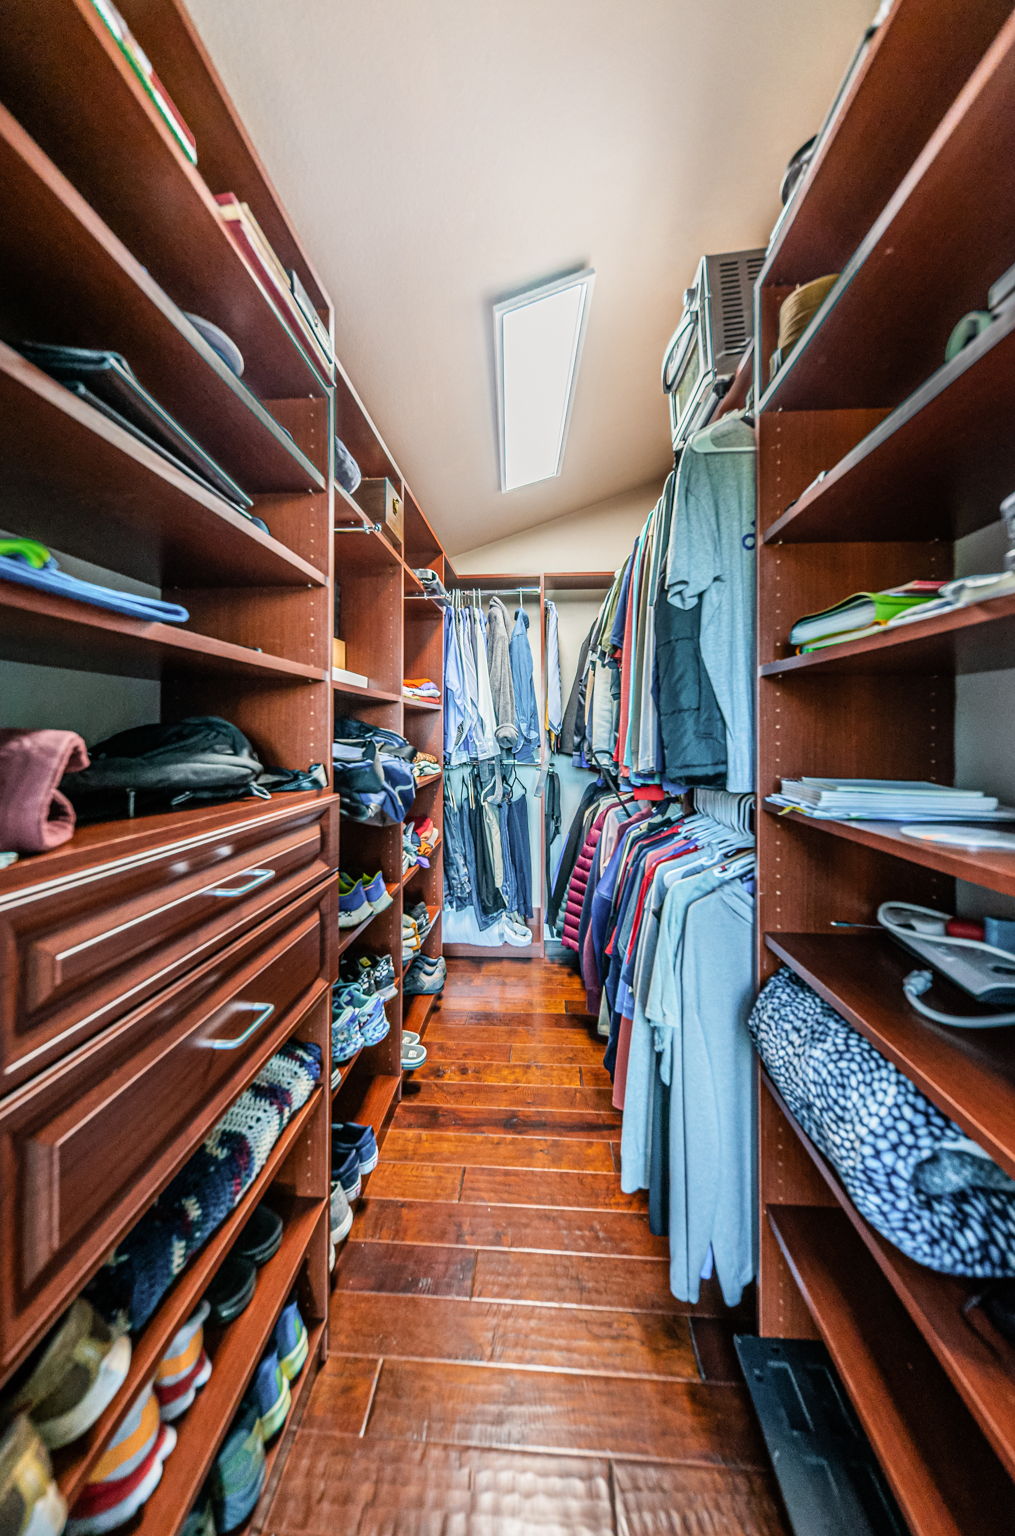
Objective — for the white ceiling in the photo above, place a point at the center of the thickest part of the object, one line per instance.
(437, 154)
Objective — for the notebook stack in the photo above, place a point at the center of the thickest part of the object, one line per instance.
(142, 67)
(862, 614)
(283, 287)
(887, 800)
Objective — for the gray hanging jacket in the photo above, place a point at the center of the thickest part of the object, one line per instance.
(498, 655)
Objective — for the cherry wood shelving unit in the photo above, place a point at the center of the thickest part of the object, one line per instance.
(872, 457)
(125, 949)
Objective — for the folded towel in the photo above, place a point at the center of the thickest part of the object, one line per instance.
(34, 815)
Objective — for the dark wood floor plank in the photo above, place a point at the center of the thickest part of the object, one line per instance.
(501, 1000)
(578, 1005)
(674, 1421)
(507, 1096)
(524, 1023)
(498, 1333)
(340, 1400)
(467, 1151)
(714, 1347)
(460, 1224)
(578, 1280)
(596, 1077)
(475, 1120)
(694, 1501)
(583, 1191)
(404, 1269)
(442, 1052)
(544, 1074)
(359, 1487)
(510, 1034)
(414, 1181)
(589, 1054)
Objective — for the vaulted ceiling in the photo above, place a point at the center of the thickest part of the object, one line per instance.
(436, 154)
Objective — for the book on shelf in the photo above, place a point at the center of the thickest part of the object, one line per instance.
(343, 675)
(887, 800)
(253, 245)
(142, 67)
(863, 613)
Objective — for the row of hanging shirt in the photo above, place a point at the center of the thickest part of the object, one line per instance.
(664, 688)
(491, 724)
(659, 907)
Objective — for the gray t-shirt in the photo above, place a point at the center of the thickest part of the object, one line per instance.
(711, 561)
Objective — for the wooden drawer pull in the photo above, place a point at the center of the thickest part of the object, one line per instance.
(264, 1013)
(255, 877)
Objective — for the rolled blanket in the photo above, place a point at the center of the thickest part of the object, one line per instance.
(34, 815)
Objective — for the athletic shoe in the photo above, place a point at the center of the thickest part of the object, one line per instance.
(340, 1215)
(377, 1027)
(106, 1506)
(291, 1340)
(346, 1040)
(261, 1238)
(513, 934)
(376, 892)
(360, 1138)
(376, 976)
(410, 1037)
(31, 1504)
(345, 1171)
(421, 983)
(81, 1368)
(353, 906)
(269, 1393)
(413, 1056)
(184, 1368)
(237, 1476)
(232, 1290)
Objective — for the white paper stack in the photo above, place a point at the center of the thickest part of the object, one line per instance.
(887, 800)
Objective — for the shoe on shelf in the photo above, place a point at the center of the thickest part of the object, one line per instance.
(353, 905)
(345, 1172)
(237, 1476)
(31, 1504)
(105, 1506)
(291, 1340)
(184, 1368)
(376, 973)
(261, 1238)
(346, 1135)
(413, 1055)
(376, 891)
(513, 933)
(133, 1441)
(340, 1215)
(269, 1393)
(201, 1520)
(232, 1289)
(377, 1026)
(421, 983)
(410, 1037)
(79, 1371)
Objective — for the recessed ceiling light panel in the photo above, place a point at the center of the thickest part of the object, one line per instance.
(538, 339)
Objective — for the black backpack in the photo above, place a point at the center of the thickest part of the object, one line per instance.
(158, 767)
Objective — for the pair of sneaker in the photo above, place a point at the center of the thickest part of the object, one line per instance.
(373, 974)
(127, 1474)
(426, 976)
(357, 1018)
(269, 1392)
(413, 1051)
(354, 1154)
(359, 900)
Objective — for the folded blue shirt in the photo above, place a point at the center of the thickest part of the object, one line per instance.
(40, 570)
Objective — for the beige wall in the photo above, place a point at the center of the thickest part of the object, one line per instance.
(596, 538)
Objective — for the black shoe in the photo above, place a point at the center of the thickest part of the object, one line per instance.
(231, 1290)
(261, 1238)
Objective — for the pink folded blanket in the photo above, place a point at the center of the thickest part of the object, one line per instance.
(34, 815)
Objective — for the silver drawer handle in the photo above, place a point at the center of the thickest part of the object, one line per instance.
(256, 877)
(264, 1013)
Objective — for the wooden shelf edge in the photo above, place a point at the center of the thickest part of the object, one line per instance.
(242, 1342)
(991, 870)
(984, 1377)
(174, 1310)
(904, 641)
(421, 704)
(418, 1011)
(369, 694)
(895, 1384)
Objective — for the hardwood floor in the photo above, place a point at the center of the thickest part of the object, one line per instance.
(506, 1356)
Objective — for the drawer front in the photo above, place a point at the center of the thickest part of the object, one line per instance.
(84, 1147)
(79, 954)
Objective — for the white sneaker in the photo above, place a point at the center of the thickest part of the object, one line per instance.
(513, 934)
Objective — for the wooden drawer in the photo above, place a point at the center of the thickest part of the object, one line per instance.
(77, 953)
(84, 1148)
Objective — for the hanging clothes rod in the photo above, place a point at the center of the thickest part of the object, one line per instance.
(495, 591)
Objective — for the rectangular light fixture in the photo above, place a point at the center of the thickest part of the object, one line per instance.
(538, 337)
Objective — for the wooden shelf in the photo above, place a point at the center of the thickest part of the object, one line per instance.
(969, 1074)
(982, 1372)
(431, 778)
(977, 638)
(280, 1446)
(68, 279)
(50, 631)
(345, 1067)
(369, 694)
(422, 705)
(374, 1101)
(941, 1470)
(935, 468)
(74, 1465)
(145, 517)
(64, 78)
(993, 870)
(910, 280)
(902, 88)
(233, 1362)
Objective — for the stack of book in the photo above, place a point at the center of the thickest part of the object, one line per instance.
(283, 287)
(887, 800)
(862, 614)
(142, 67)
